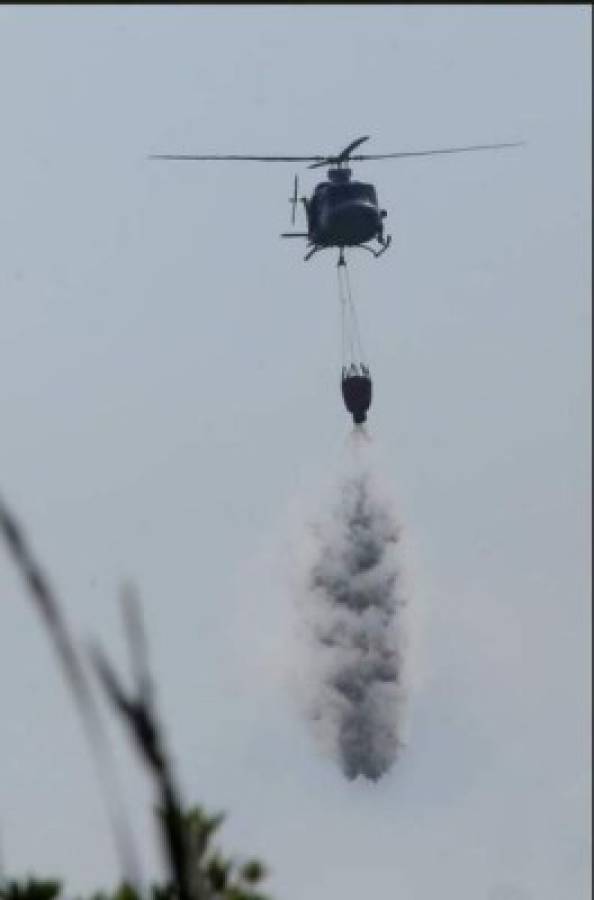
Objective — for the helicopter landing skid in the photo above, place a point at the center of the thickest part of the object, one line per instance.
(341, 261)
(384, 246)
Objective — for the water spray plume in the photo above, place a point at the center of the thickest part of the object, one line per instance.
(354, 600)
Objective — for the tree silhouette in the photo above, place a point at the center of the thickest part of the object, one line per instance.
(197, 870)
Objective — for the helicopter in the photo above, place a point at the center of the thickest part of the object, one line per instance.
(341, 212)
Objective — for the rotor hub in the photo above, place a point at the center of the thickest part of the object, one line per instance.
(340, 175)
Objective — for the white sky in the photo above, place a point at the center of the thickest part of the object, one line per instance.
(169, 391)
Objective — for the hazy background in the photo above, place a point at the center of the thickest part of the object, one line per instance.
(169, 396)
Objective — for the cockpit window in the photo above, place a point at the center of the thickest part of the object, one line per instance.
(364, 192)
(351, 190)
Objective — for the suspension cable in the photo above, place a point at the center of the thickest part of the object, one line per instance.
(354, 318)
(348, 350)
(351, 333)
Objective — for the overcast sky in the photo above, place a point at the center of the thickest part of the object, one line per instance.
(169, 396)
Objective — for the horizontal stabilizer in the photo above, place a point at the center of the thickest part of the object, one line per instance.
(303, 234)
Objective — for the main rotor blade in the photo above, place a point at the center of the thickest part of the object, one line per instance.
(433, 152)
(233, 157)
(345, 154)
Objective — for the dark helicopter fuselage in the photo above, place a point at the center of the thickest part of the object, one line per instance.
(343, 213)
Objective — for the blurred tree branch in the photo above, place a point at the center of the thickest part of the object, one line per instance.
(197, 871)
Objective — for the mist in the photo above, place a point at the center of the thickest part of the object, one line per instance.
(352, 605)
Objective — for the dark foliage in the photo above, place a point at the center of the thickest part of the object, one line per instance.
(197, 870)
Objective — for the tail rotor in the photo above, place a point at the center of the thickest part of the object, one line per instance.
(294, 199)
